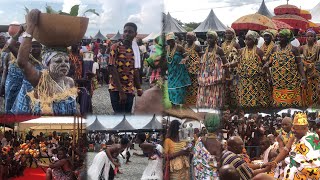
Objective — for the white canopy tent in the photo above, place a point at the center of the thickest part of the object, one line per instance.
(151, 36)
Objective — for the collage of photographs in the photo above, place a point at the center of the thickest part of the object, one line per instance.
(159, 90)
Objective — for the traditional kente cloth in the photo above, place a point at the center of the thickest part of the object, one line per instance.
(211, 88)
(49, 98)
(58, 173)
(205, 164)
(230, 158)
(13, 83)
(178, 77)
(179, 166)
(232, 87)
(310, 58)
(122, 58)
(251, 80)
(286, 78)
(304, 159)
(77, 63)
(193, 66)
(22, 103)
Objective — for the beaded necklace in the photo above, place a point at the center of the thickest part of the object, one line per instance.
(170, 53)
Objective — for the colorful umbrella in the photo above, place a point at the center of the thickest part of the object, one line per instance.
(281, 25)
(7, 118)
(286, 9)
(256, 22)
(297, 22)
(305, 14)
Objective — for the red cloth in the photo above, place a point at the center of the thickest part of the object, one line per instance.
(32, 174)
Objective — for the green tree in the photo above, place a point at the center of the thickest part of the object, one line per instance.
(191, 26)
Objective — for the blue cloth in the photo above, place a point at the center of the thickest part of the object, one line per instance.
(178, 79)
(12, 86)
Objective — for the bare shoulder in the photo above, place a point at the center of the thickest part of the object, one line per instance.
(69, 81)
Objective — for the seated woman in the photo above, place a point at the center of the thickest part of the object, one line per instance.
(61, 169)
(54, 93)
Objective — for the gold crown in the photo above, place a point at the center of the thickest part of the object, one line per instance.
(300, 119)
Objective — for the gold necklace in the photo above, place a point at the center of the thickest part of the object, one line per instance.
(249, 54)
(310, 52)
(170, 53)
(210, 55)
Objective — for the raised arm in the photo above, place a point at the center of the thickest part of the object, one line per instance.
(29, 71)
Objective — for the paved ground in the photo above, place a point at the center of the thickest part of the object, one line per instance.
(131, 171)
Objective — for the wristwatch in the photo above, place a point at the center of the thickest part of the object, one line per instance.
(26, 35)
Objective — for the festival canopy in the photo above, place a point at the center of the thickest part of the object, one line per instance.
(286, 9)
(171, 25)
(116, 37)
(255, 22)
(305, 14)
(100, 36)
(315, 12)
(146, 39)
(211, 22)
(263, 10)
(124, 125)
(154, 124)
(281, 25)
(96, 126)
(297, 22)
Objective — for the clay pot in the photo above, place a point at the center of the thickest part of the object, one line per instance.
(55, 30)
(13, 29)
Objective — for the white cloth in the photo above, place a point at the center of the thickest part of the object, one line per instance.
(260, 42)
(95, 66)
(295, 42)
(143, 49)
(98, 162)
(137, 57)
(153, 170)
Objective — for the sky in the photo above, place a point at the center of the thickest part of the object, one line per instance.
(227, 11)
(113, 13)
(111, 121)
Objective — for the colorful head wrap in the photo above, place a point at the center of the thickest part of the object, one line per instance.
(287, 33)
(212, 122)
(311, 31)
(49, 53)
(300, 119)
(270, 32)
(191, 34)
(232, 30)
(170, 36)
(213, 33)
(253, 35)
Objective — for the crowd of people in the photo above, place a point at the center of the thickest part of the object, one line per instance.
(274, 73)
(113, 150)
(232, 146)
(50, 151)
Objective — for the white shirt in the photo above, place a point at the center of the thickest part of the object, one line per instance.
(295, 42)
(95, 66)
(260, 42)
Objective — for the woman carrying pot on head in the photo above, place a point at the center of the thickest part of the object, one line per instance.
(54, 92)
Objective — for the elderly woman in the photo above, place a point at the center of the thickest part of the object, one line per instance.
(54, 92)
(231, 49)
(178, 77)
(212, 75)
(310, 53)
(287, 72)
(176, 153)
(207, 151)
(193, 66)
(252, 80)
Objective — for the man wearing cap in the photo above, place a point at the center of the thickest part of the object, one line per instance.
(301, 153)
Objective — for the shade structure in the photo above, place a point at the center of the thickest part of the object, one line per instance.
(305, 14)
(289, 110)
(100, 36)
(171, 25)
(315, 13)
(149, 37)
(96, 126)
(255, 21)
(124, 125)
(211, 23)
(281, 25)
(154, 124)
(297, 22)
(183, 113)
(263, 10)
(286, 9)
(8, 118)
(116, 37)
